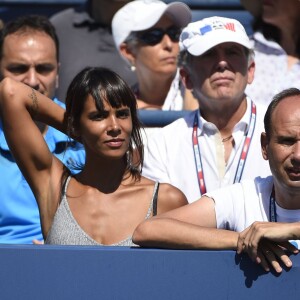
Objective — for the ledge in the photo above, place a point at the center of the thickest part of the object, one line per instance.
(76, 272)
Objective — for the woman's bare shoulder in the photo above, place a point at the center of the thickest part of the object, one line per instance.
(169, 197)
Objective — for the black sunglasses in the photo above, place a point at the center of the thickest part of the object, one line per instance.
(155, 35)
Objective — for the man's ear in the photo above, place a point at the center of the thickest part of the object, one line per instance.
(264, 141)
(186, 78)
(251, 71)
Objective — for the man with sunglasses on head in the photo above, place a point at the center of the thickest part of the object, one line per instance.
(146, 32)
(217, 144)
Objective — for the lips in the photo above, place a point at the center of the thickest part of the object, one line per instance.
(170, 59)
(221, 79)
(115, 143)
(294, 173)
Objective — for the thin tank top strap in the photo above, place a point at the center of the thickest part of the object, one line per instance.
(66, 185)
(155, 199)
(153, 205)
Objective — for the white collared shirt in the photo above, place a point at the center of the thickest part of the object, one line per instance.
(169, 154)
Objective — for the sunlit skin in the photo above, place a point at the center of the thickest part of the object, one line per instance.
(31, 57)
(105, 133)
(223, 77)
(283, 152)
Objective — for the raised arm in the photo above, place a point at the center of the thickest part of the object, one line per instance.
(20, 105)
(191, 226)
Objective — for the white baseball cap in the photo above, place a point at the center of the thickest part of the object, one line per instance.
(140, 15)
(198, 37)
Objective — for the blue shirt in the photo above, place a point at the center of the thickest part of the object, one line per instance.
(19, 214)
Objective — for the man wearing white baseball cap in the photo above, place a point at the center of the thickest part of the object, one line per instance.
(146, 33)
(219, 144)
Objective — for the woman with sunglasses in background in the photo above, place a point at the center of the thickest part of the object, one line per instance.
(147, 33)
(108, 198)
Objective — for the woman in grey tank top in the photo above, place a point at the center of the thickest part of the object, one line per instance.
(108, 198)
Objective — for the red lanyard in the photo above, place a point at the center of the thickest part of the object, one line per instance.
(243, 157)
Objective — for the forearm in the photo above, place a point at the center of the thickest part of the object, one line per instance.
(170, 233)
(18, 97)
(293, 230)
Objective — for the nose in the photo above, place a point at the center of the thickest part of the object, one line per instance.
(221, 60)
(167, 42)
(222, 64)
(114, 128)
(296, 153)
(31, 78)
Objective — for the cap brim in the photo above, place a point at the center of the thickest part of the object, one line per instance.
(200, 47)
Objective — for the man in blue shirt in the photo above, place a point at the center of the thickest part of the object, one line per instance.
(29, 53)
